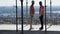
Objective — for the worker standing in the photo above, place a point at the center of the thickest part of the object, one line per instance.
(32, 11)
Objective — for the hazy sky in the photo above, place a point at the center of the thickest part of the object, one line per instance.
(12, 2)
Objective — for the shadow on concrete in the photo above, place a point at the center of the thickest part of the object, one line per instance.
(28, 32)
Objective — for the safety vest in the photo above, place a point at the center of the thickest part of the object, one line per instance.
(41, 11)
(32, 10)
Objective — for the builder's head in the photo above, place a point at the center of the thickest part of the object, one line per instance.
(32, 2)
(40, 3)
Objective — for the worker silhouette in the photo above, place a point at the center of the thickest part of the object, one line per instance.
(41, 14)
(32, 11)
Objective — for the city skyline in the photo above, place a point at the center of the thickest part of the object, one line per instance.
(13, 2)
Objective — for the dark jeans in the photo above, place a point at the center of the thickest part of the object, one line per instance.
(41, 20)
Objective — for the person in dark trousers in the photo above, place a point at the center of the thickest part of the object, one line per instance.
(32, 11)
(41, 14)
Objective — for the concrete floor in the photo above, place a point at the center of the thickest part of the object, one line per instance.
(11, 29)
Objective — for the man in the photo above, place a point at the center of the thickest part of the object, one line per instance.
(31, 13)
(41, 14)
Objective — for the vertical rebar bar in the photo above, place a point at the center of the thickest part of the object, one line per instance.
(22, 14)
(16, 18)
(26, 8)
(50, 10)
(45, 19)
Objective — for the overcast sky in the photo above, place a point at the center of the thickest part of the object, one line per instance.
(12, 2)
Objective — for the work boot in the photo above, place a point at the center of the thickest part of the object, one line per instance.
(41, 28)
(30, 28)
